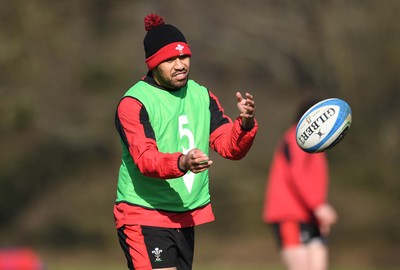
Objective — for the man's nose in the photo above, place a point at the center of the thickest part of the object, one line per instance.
(178, 64)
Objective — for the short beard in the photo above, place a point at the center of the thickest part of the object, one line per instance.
(166, 83)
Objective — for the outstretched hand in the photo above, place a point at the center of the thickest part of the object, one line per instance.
(246, 107)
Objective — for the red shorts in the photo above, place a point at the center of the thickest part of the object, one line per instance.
(147, 247)
(294, 233)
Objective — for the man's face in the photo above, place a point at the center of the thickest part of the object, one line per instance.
(173, 73)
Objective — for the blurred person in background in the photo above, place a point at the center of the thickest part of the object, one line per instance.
(295, 204)
(20, 258)
(166, 124)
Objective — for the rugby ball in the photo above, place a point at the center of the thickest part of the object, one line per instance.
(323, 125)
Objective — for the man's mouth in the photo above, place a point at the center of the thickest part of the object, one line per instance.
(180, 75)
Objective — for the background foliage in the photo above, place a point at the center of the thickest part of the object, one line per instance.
(65, 64)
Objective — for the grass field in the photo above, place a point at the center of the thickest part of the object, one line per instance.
(113, 266)
(215, 254)
(109, 261)
(198, 267)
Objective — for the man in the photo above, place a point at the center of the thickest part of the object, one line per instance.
(296, 203)
(167, 123)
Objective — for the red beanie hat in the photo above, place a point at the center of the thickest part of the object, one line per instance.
(162, 41)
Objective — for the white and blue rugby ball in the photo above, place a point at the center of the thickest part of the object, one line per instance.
(323, 125)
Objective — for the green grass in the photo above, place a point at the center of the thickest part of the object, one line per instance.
(113, 266)
(114, 260)
(277, 267)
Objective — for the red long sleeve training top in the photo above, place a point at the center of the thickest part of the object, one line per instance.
(297, 182)
(226, 138)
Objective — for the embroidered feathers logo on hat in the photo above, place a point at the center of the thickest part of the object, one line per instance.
(162, 41)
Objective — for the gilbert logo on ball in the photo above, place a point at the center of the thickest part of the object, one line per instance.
(323, 125)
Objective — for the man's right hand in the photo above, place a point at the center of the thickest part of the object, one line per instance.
(195, 161)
